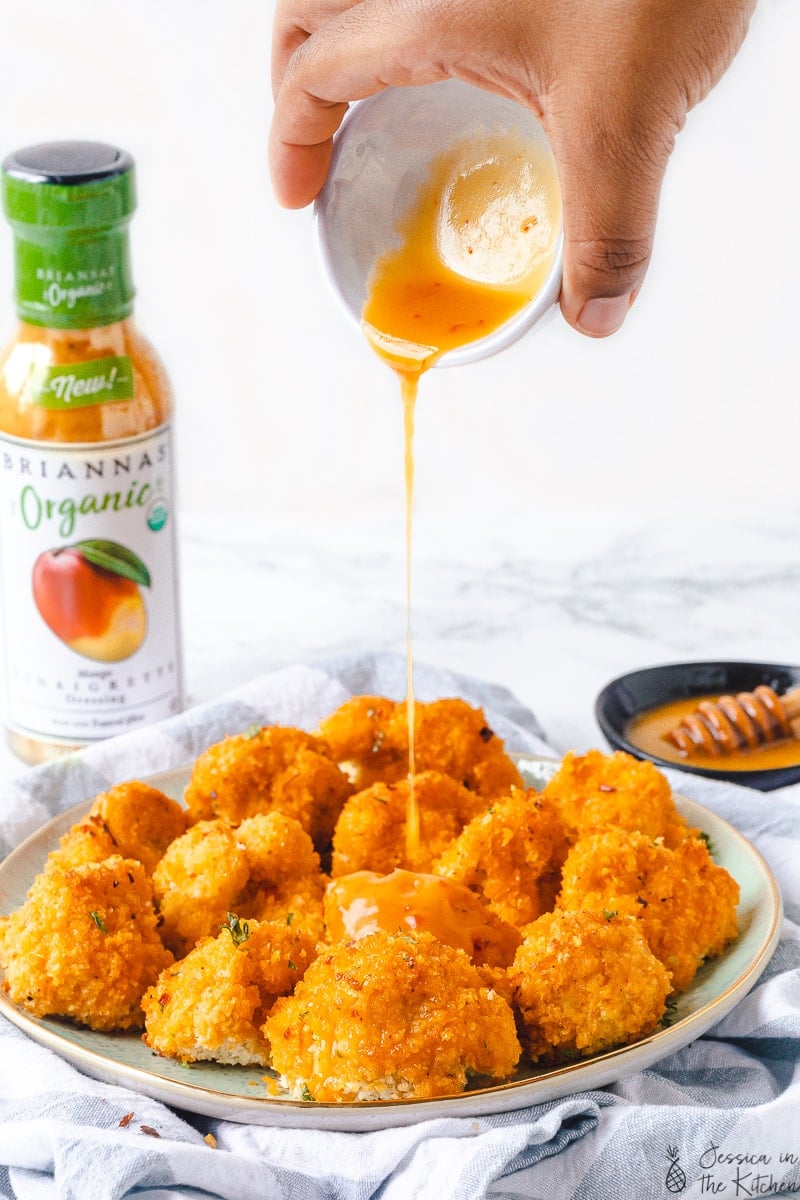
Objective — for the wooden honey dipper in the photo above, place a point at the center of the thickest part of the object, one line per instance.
(742, 722)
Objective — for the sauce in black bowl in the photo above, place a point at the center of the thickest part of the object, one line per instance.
(621, 707)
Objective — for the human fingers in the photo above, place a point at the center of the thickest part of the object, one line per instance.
(613, 116)
(611, 177)
(355, 54)
(294, 21)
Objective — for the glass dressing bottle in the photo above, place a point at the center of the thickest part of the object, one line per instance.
(88, 555)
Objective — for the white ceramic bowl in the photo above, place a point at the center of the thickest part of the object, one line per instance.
(381, 157)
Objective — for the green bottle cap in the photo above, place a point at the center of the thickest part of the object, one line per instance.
(69, 204)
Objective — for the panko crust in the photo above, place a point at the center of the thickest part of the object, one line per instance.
(132, 819)
(274, 768)
(455, 738)
(197, 881)
(371, 833)
(142, 820)
(88, 840)
(390, 1015)
(85, 945)
(370, 735)
(511, 855)
(686, 903)
(583, 983)
(595, 790)
(285, 881)
(366, 734)
(265, 869)
(211, 1005)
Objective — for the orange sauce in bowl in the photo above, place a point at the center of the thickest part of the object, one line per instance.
(648, 731)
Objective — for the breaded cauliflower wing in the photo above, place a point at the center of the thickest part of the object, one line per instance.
(85, 945)
(686, 903)
(511, 855)
(371, 833)
(88, 840)
(213, 1003)
(595, 790)
(274, 768)
(584, 983)
(197, 881)
(265, 869)
(285, 882)
(390, 1016)
(456, 739)
(370, 735)
(132, 819)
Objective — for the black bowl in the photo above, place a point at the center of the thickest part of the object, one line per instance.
(637, 692)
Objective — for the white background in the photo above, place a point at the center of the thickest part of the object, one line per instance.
(283, 410)
(583, 507)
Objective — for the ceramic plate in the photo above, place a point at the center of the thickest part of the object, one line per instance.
(239, 1093)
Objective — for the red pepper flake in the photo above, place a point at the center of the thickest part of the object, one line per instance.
(126, 1120)
(148, 1129)
(164, 998)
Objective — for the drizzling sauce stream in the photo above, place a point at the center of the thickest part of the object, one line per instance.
(474, 249)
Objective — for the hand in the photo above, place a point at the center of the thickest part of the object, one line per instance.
(611, 81)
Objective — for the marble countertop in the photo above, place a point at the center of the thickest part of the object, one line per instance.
(552, 612)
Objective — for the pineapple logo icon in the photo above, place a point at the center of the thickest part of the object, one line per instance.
(676, 1179)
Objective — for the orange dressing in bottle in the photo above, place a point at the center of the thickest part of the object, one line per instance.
(475, 248)
(88, 546)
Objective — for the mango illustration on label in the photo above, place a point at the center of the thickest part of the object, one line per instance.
(89, 595)
(79, 385)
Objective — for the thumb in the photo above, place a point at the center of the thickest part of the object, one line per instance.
(611, 173)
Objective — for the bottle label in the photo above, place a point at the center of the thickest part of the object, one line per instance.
(89, 586)
(73, 283)
(83, 384)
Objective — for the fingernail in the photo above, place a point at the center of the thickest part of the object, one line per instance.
(603, 315)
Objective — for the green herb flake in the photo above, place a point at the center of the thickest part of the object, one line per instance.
(289, 918)
(98, 920)
(670, 1013)
(292, 966)
(253, 731)
(238, 929)
(306, 1095)
(609, 914)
